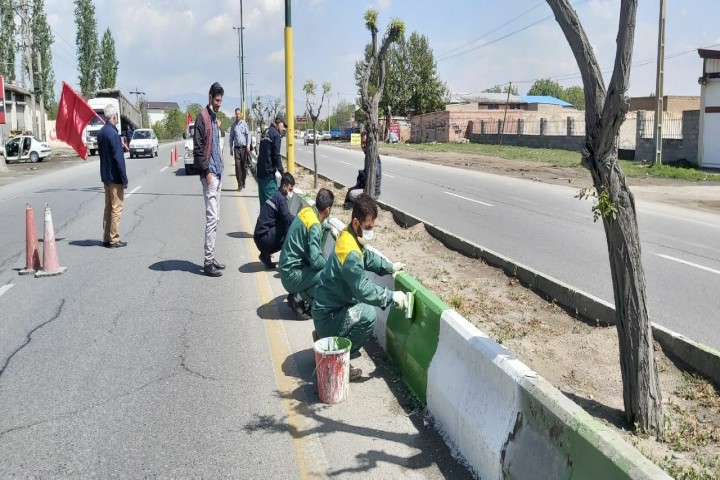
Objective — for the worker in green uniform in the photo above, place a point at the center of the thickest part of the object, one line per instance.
(345, 298)
(301, 258)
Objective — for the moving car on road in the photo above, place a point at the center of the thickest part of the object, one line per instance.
(144, 142)
(26, 147)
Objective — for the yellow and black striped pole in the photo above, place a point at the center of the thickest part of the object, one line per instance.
(289, 110)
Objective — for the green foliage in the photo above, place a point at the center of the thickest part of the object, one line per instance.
(7, 40)
(172, 126)
(193, 109)
(429, 93)
(371, 16)
(310, 89)
(547, 86)
(86, 41)
(502, 89)
(576, 96)
(603, 206)
(107, 61)
(42, 39)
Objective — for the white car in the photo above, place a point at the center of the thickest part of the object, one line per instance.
(144, 142)
(311, 136)
(26, 147)
(326, 136)
(188, 150)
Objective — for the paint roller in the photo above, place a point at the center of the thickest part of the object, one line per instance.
(410, 296)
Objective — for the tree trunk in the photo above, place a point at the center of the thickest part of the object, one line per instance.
(315, 181)
(641, 388)
(371, 151)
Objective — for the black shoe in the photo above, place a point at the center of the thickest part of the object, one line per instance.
(211, 270)
(116, 245)
(296, 305)
(219, 266)
(355, 373)
(267, 261)
(106, 244)
(355, 354)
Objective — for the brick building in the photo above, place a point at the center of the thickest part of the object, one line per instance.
(671, 103)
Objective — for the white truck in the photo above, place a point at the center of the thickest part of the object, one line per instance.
(129, 117)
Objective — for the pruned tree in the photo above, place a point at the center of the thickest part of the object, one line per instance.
(605, 111)
(87, 46)
(42, 39)
(107, 61)
(370, 99)
(310, 90)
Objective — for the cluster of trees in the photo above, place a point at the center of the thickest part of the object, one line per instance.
(341, 113)
(14, 18)
(97, 60)
(412, 84)
(263, 112)
(546, 86)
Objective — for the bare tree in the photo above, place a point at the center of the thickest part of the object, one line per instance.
(370, 100)
(604, 114)
(310, 89)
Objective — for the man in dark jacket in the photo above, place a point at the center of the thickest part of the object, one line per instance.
(359, 187)
(208, 161)
(269, 160)
(113, 176)
(274, 220)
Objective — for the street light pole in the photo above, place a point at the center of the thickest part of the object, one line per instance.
(240, 63)
(289, 106)
(242, 58)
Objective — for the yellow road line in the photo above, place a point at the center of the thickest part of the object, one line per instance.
(309, 453)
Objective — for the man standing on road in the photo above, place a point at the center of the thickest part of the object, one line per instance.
(301, 257)
(113, 176)
(240, 147)
(345, 298)
(208, 161)
(269, 160)
(273, 221)
(359, 187)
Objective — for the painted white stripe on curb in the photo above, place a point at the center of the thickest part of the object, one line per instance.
(685, 262)
(131, 192)
(468, 199)
(5, 288)
(388, 175)
(164, 168)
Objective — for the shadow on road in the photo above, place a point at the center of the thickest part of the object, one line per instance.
(240, 235)
(177, 266)
(85, 243)
(277, 309)
(253, 267)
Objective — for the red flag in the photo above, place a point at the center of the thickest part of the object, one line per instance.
(188, 121)
(73, 116)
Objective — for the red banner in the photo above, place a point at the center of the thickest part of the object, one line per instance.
(73, 116)
(2, 101)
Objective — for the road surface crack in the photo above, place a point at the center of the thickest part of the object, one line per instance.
(29, 337)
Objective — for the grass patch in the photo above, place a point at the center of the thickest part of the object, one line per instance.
(558, 158)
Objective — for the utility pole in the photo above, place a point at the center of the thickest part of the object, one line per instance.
(289, 95)
(41, 124)
(659, 86)
(137, 94)
(242, 58)
(240, 64)
(502, 132)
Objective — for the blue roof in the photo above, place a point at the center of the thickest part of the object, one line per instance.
(546, 100)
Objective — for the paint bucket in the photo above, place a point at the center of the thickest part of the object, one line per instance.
(332, 363)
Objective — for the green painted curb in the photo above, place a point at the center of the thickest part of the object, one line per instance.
(411, 344)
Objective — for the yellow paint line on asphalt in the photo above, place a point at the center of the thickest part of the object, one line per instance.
(309, 453)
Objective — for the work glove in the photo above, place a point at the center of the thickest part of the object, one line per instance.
(334, 232)
(397, 267)
(400, 300)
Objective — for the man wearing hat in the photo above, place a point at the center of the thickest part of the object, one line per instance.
(269, 160)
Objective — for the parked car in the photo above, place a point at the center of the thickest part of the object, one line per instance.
(26, 147)
(311, 137)
(335, 134)
(326, 136)
(144, 142)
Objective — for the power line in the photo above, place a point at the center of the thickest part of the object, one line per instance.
(465, 52)
(490, 32)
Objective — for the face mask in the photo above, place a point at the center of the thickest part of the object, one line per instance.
(367, 235)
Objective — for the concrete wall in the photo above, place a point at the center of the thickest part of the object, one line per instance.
(574, 143)
(674, 150)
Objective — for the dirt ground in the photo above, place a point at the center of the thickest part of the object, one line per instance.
(704, 196)
(579, 359)
(60, 158)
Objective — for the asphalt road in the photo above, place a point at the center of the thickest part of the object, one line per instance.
(545, 227)
(133, 364)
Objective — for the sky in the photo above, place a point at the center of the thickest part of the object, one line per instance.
(173, 50)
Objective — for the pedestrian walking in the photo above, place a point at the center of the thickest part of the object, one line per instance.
(114, 177)
(240, 145)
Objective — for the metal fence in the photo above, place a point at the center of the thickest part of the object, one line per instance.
(672, 125)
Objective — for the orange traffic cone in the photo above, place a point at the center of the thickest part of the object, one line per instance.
(175, 155)
(32, 257)
(51, 266)
(172, 158)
